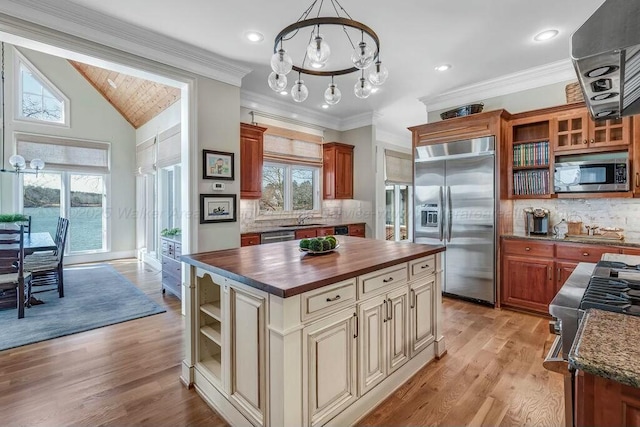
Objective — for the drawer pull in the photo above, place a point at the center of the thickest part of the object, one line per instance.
(336, 298)
(385, 312)
(585, 253)
(637, 179)
(527, 248)
(390, 306)
(425, 266)
(549, 270)
(390, 279)
(413, 298)
(355, 335)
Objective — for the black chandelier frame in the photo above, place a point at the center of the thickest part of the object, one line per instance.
(337, 20)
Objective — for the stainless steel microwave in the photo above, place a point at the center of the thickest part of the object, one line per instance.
(586, 176)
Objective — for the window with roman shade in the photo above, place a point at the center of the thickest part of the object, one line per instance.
(169, 147)
(398, 168)
(146, 157)
(65, 154)
(292, 146)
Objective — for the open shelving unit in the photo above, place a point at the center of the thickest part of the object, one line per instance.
(210, 341)
(531, 158)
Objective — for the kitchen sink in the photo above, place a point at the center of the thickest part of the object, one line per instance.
(301, 225)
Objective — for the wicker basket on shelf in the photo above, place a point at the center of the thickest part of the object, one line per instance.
(574, 93)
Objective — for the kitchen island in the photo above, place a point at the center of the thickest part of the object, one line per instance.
(278, 337)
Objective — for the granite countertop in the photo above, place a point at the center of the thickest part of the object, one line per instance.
(282, 270)
(269, 227)
(586, 240)
(608, 345)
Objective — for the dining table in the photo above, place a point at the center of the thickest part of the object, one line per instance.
(41, 241)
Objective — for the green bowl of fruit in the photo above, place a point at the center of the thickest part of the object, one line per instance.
(319, 245)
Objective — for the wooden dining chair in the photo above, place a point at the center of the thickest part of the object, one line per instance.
(15, 283)
(48, 270)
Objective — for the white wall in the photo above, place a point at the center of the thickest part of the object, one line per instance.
(163, 121)
(92, 118)
(517, 102)
(218, 128)
(362, 207)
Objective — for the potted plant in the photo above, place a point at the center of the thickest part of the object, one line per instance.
(6, 220)
(170, 232)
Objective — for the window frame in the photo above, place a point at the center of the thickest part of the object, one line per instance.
(288, 192)
(65, 206)
(21, 60)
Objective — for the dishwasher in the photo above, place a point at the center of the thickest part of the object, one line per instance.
(277, 236)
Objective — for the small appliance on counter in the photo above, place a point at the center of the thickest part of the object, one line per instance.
(536, 221)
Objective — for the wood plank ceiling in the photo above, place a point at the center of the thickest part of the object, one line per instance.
(138, 100)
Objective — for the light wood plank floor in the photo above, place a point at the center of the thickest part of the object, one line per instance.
(128, 374)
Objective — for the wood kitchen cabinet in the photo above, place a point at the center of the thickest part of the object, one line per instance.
(251, 159)
(421, 314)
(576, 130)
(306, 233)
(337, 171)
(383, 346)
(533, 271)
(249, 239)
(603, 402)
(330, 366)
(357, 230)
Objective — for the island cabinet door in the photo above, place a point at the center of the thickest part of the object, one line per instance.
(329, 366)
(248, 372)
(397, 326)
(421, 314)
(372, 318)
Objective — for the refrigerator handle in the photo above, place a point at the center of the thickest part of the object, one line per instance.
(450, 214)
(441, 213)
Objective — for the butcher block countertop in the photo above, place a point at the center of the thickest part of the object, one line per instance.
(607, 346)
(282, 270)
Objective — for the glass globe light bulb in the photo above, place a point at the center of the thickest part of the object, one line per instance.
(362, 56)
(378, 74)
(17, 162)
(36, 164)
(281, 62)
(318, 51)
(277, 82)
(332, 95)
(299, 91)
(362, 88)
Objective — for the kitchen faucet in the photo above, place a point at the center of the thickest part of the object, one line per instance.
(302, 217)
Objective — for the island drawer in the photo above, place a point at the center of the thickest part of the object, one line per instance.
(584, 253)
(372, 283)
(528, 248)
(422, 267)
(328, 298)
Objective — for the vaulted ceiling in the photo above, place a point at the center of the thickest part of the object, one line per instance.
(138, 100)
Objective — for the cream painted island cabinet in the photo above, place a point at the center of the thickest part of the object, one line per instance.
(278, 337)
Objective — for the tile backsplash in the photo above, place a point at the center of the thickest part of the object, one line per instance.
(333, 212)
(622, 213)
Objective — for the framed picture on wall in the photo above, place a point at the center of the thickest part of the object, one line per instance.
(217, 165)
(217, 208)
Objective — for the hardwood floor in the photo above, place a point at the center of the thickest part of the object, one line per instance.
(128, 374)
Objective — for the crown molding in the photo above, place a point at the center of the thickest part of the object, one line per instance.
(359, 120)
(531, 78)
(393, 138)
(84, 23)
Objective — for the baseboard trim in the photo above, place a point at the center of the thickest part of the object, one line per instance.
(218, 401)
(98, 257)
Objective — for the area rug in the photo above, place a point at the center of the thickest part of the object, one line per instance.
(94, 296)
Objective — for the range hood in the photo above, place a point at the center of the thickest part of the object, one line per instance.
(606, 55)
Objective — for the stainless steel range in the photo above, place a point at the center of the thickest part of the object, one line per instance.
(610, 285)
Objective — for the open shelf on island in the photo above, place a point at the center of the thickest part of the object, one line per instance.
(211, 321)
(212, 309)
(213, 365)
(212, 332)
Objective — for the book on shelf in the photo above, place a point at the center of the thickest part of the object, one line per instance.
(534, 182)
(531, 154)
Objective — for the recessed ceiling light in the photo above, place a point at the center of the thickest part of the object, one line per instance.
(375, 89)
(443, 67)
(112, 83)
(284, 92)
(325, 106)
(254, 36)
(546, 35)
(316, 65)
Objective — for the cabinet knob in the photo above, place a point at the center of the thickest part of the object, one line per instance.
(592, 141)
(585, 253)
(584, 141)
(527, 248)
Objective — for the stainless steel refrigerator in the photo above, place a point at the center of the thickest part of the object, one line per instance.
(455, 205)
